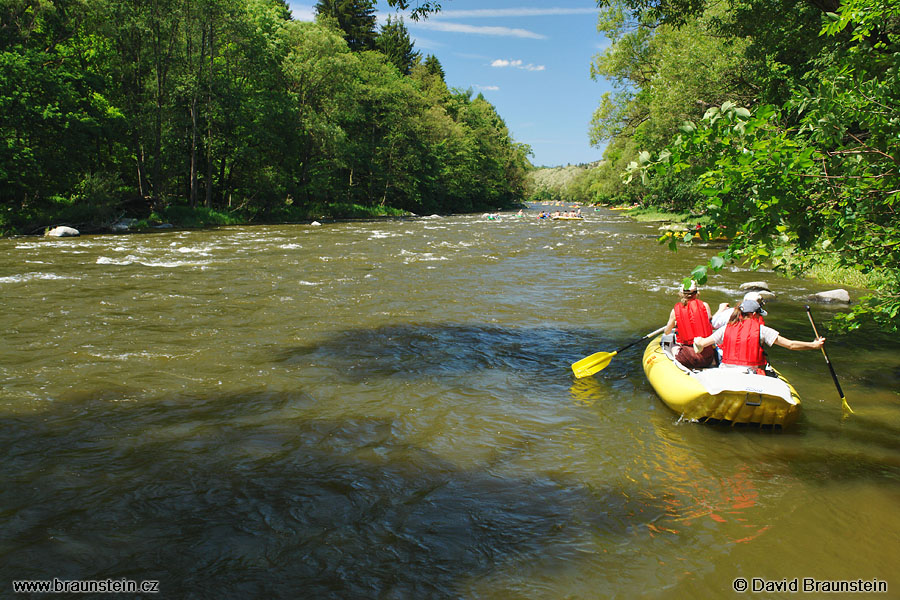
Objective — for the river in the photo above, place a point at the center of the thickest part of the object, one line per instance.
(386, 409)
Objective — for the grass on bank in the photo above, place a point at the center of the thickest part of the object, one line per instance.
(654, 215)
(827, 270)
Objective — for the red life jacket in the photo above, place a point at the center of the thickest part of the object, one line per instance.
(742, 345)
(692, 321)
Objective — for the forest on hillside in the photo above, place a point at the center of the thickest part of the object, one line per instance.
(776, 120)
(151, 110)
(555, 184)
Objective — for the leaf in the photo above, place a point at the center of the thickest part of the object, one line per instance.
(716, 263)
(765, 112)
(699, 274)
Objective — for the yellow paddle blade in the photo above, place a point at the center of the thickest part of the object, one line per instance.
(846, 407)
(589, 365)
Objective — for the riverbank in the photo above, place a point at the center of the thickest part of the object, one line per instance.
(196, 218)
(826, 271)
(184, 217)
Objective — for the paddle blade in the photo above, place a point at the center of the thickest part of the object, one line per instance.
(846, 407)
(589, 365)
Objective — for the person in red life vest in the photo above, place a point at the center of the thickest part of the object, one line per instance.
(743, 337)
(690, 319)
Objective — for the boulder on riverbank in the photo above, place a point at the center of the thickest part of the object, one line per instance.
(123, 225)
(62, 231)
(838, 296)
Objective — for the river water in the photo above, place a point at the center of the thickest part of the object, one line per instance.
(386, 409)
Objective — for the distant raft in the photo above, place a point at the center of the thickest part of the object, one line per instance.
(720, 394)
(565, 218)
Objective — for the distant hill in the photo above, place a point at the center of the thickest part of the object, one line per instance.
(552, 183)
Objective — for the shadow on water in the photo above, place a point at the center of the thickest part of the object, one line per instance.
(868, 451)
(448, 349)
(241, 496)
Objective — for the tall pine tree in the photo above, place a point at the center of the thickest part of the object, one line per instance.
(394, 42)
(356, 18)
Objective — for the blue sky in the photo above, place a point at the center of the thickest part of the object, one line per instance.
(530, 59)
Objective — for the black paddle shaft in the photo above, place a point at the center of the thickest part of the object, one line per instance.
(649, 335)
(825, 354)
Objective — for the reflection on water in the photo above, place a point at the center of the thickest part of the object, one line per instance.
(387, 410)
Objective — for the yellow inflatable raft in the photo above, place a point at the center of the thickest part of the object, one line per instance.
(720, 394)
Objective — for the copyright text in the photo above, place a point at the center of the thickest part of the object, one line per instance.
(75, 586)
(810, 585)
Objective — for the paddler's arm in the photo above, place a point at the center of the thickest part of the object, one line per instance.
(797, 345)
(703, 342)
(700, 343)
(671, 324)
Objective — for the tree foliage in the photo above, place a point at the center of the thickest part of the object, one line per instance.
(817, 178)
(661, 76)
(115, 108)
(394, 42)
(356, 18)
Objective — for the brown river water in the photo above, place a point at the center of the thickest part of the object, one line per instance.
(386, 409)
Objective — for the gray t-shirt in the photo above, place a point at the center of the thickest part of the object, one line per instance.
(720, 319)
(766, 334)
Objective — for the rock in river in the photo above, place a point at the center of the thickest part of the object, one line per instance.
(839, 296)
(63, 231)
(755, 285)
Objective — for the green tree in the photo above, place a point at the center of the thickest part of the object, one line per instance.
(319, 71)
(156, 107)
(662, 75)
(394, 42)
(356, 18)
(433, 66)
(55, 117)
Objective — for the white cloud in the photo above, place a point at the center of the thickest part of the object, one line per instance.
(302, 12)
(502, 63)
(424, 43)
(512, 12)
(476, 29)
(488, 88)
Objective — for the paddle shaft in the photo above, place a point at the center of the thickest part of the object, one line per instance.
(825, 354)
(599, 360)
(649, 335)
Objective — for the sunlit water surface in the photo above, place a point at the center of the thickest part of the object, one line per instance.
(386, 409)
